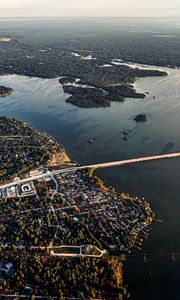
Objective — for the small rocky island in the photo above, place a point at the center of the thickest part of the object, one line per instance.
(142, 118)
(5, 91)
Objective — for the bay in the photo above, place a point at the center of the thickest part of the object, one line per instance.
(41, 102)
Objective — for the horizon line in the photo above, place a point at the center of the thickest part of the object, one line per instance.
(88, 17)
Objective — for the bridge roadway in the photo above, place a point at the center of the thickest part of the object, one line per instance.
(94, 166)
(132, 161)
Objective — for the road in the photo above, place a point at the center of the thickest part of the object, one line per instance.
(80, 248)
(94, 166)
(132, 161)
(32, 178)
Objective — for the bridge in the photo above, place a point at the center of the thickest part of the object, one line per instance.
(132, 161)
(93, 166)
(167, 257)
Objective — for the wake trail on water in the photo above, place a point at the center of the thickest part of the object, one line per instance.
(165, 79)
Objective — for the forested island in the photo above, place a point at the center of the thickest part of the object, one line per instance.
(86, 97)
(115, 80)
(5, 91)
(91, 97)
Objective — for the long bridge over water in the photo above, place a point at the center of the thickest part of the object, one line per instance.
(93, 166)
(132, 161)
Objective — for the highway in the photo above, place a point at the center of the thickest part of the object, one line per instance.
(94, 166)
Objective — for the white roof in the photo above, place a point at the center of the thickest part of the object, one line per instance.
(8, 265)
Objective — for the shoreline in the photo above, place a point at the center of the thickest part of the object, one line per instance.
(125, 197)
(88, 188)
(85, 97)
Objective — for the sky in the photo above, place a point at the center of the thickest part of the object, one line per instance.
(89, 8)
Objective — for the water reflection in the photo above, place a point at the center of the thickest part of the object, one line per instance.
(42, 103)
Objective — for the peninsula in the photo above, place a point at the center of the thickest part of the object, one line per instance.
(51, 209)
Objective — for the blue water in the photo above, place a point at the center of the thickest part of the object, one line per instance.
(41, 102)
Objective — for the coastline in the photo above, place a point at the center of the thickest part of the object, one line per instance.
(92, 190)
(95, 184)
(126, 197)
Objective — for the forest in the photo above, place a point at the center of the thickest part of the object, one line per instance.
(65, 277)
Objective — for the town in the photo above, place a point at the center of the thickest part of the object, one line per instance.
(70, 208)
(22, 148)
(56, 214)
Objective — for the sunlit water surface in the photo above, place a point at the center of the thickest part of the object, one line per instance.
(41, 102)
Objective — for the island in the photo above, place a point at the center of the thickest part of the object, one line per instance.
(86, 97)
(5, 91)
(63, 232)
(90, 97)
(86, 93)
(67, 65)
(141, 118)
